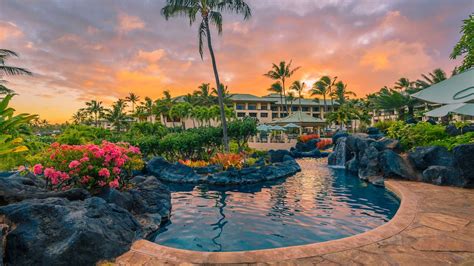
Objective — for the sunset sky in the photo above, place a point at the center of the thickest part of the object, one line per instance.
(104, 49)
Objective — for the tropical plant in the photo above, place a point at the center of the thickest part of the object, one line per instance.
(465, 45)
(282, 72)
(10, 70)
(298, 87)
(88, 166)
(403, 84)
(342, 115)
(290, 98)
(431, 78)
(82, 134)
(277, 88)
(133, 99)
(228, 160)
(96, 109)
(116, 115)
(210, 11)
(340, 93)
(413, 135)
(324, 86)
(181, 111)
(241, 130)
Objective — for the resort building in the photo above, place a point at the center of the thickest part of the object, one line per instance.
(267, 109)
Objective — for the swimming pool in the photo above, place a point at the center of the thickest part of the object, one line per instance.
(316, 205)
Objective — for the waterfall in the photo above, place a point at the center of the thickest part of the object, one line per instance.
(340, 154)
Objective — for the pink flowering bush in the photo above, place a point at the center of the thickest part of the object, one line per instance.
(88, 166)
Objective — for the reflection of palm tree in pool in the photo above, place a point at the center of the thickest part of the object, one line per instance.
(219, 225)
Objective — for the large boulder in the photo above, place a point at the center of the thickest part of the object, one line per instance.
(393, 165)
(276, 156)
(442, 175)
(353, 166)
(176, 172)
(20, 187)
(338, 135)
(423, 157)
(149, 201)
(307, 146)
(374, 133)
(464, 161)
(56, 231)
(369, 167)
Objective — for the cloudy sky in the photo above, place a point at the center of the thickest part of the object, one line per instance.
(103, 49)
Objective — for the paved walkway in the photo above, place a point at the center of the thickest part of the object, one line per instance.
(436, 227)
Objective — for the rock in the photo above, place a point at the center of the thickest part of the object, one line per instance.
(393, 165)
(56, 231)
(6, 174)
(452, 130)
(207, 169)
(177, 172)
(332, 158)
(423, 157)
(387, 143)
(309, 154)
(17, 188)
(431, 121)
(338, 135)
(442, 175)
(306, 146)
(276, 156)
(464, 161)
(369, 166)
(353, 166)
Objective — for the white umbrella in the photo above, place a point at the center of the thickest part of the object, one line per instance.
(291, 125)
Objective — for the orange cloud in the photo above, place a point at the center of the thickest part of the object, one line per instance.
(128, 23)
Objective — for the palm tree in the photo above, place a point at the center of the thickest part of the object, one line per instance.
(298, 87)
(341, 94)
(162, 106)
(282, 72)
(291, 98)
(277, 88)
(10, 70)
(181, 111)
(434, 77)
(320, 88)
(95, 107)
(117, 115)
(210, 11)
(403, 84)
(325, 83)
(343, 115)
(132, 98)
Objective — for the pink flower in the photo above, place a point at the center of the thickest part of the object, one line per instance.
(38, 169)
(84, 159)
(102, 183)
(22, 168)
(134, 149)
(114, 183)
(64, 176)
(116, 170)
(74, 164)
(104, 172)
(85, 179)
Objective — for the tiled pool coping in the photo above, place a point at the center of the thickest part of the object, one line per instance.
(143, 250)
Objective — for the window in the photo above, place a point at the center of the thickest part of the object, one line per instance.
(253, 114)
(240, 106)
(294, 108)
(315, 109)
(316, 116)
(263, 114)
(305, 109)
(252, 106)
(263, 106)
(274, 115)
(274, 107)
(240, 114)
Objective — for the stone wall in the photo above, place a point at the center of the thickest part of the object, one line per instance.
(373, 160)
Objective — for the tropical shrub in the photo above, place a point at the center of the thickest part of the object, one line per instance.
(88, 166)
(384, 125)
(241, 130)
(306, 138)
(190, 163)
(413, 135)
(451, 142)
(228, 160)
(82, 134)
(323, 144)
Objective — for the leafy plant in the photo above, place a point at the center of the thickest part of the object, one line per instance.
(384, 125)
(306, 138)
(241, 130)
(413, 135)
(228, 160)
(81, 134)
(190, 163)
(451, 142)
(88, 166)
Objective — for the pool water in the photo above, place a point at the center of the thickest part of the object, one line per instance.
(316, 205)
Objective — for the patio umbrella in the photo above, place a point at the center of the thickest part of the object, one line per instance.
(263, 128)
(277, 128)
(291, 125)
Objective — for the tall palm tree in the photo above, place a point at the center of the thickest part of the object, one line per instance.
(291, 98)
(298, 87)
(116, 115)
(431, 78)
(340, 93)
(181, 111)
(282, 72)
(10, 70)
(133, 99)
(210, 11)
(328, 84)
(277, 88)
(320, 88)
(403, 84)
(95, 108)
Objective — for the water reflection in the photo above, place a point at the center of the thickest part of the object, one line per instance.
(318, 204)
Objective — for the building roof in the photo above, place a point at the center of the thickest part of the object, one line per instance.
(457, 89)
(457, 108)
(249, 98)
(299, 118)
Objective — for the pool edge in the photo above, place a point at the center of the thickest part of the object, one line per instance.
(401, 220)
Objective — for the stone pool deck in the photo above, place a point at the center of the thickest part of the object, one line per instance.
(434, 226)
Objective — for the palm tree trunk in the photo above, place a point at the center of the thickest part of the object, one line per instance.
(281, 104)
(284, 95)
(218, 86)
